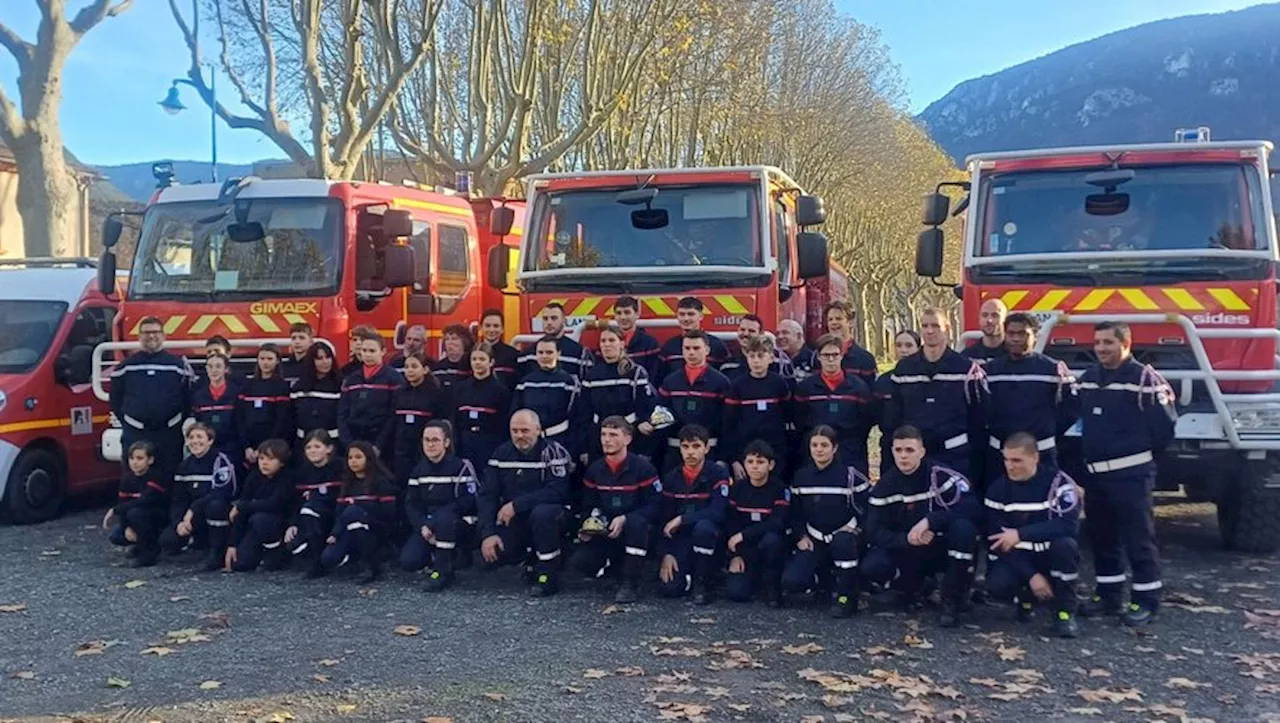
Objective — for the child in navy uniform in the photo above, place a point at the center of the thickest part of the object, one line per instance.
(756, 523)
(365, 515)
(142, 507)
(204, 487)
(258, 517)
(318, 482)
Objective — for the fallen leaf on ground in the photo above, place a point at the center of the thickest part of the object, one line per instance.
(802, 649)
(13, 608)
(916, 641)
(813, 719)
(595, 674)
(158, 651)
(187, 635)
(571, 689)
(1144, 649)
(497, 697)
(437, 719)
(50, 553)
(882, 650)
(630, 671)
(24, 675)
(95, 647)
(210, 685)
(328, 662)
(179, 598)
(407, 630)
(740, 707)
(676, 652)
(716, 693)
(118, 682)
(346, 707)
(134, 584)
(216, 620)
(1011, 653)
(703, 621)
(1085, 711)
(367, 591)
(1099, 673)
(613, 609)
(320, 678)
(1193, 651)
(1110, 695)
(1185, 684)
(1004, 696)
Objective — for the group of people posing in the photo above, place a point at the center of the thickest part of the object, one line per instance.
(741, 470)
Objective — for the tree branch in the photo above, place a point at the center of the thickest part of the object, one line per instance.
(22, 51)
(100, 10)
(11, 126)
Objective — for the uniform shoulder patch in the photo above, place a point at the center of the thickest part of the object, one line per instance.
(471, 488)
(724, 490)
(786, 494)
(657, 485)
(961, 483)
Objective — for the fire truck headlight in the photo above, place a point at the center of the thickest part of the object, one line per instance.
(3, 398)
(1256, 419)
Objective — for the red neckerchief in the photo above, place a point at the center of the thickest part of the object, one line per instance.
(691, 474)
(615, 466)
(370, 371)
(627, 336)
(693, 374)
(216, 391)
(846, 344)
(833, 381)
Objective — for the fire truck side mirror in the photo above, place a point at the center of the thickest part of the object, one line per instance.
(498, 266)
(929, 249)
(107, 272)
(810, 211)
(812, 256)
(397, 266)
(111, 230)
(935, 210)
(501, 219)
(396, 224)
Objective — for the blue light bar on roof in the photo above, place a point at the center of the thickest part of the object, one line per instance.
(1191, 135)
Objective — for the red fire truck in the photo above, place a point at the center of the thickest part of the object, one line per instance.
(735, 238)
(247, 259)
(1177, 239)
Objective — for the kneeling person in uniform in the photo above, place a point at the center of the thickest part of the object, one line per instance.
(1032, 520)
(621, 493)
(440, 499)
(138, 517)
(694, 498)
(756, 523)
(921, 523)
(204, 487)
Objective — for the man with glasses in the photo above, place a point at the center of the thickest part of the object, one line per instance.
(151, 395)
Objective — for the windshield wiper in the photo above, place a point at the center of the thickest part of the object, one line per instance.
(1076, 278)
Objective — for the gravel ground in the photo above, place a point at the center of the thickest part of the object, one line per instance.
(76, 623)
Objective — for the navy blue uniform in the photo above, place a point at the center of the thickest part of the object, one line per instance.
(262, 510)
(447, 373)
(1127, 417)
(482, 407)
(363, 522)
(554, 396)
(150, 396)
(536, 483)
(263, 410)
(845, 405)
(291, 367)
(699, 400)
(945, 400)
(318, 488)
(1034, 394)
(898, 502)
(759, 514)
(983, 354)
(671, 354)
(506, 364)
(757, 408)
(573, 358)
(629, 491)
(217, 409)
(700, 499)
(205, 486)
(142, 505)
(315, 406)
(799, 366)
(859, 361)
(414, 407)
(644, 350)
(365, 412)
(827, 506)
(442, 498)
(1045, 510)
(607, 391)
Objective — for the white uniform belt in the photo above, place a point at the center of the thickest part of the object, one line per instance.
(172, 422)
(959, 440)
(675, 442)
(1119, 463)
(1041, 444)
(333, 433)
(555, 429)
(843, 491)
(828, 537)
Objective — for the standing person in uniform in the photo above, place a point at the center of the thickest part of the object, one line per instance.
(506, 358)
(570, 353)
(943, 395)
(141, 508)
(691, 512)
(641, 347)
(689, 313)
(259, 516)
(802, 359)
(418, 401)
(758, 407)
(1127, 417)
(365, 413)
(355, 339)
(213, 404)
(316, 395)
(455, 364)
(521, 503)
(481, 403)
(415, 342)
(828, 503)
(1032, 520)
(614, 385)
(263, 409)
(695, 395)
(839, 317)
(552, 392)
(620, 502)
(837, 398)
(735, 366)
(440, 499)
(318, 483)
(365, 515)
(905, 343)
(756, 527)
(991, 319)
(1029, 392)
(922, 521)
(151, 395)
(204, 488)
(301, 339)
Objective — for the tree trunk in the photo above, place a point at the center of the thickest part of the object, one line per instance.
(46, 192)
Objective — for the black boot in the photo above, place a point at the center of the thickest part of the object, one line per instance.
(438, 581)
(949, 615)
(626, 594)
(316, 570)
(1138, 616)
(145, 557)
(372, 570)
(701, 596)
(1101, 607)
(544, 585)
(1026, 610)
(1064, 625)
(213, 561)
(844, 606)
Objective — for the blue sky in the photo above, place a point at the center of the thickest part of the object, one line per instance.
(121, 69)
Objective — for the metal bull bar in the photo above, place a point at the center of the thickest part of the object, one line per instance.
(102, 368)
(1223, 404)
(574, 331)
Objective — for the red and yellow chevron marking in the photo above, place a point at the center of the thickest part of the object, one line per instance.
(230, 324)
(1130, 300)
(654, 307)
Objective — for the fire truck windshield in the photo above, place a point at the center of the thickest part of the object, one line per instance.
(26, 330)
(1161, 208)
(706, 225)
(184, 249)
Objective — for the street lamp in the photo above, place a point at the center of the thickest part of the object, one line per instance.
(172, 104)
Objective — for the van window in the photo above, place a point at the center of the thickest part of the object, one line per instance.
(92, 326)
(421, 243)
(27, 328)
(452, 271)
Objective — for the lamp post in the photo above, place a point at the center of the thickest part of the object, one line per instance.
(172, 104)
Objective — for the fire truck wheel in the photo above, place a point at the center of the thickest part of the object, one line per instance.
(37, 487)
(1249, 518)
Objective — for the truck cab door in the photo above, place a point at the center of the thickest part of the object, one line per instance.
(72, 393)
